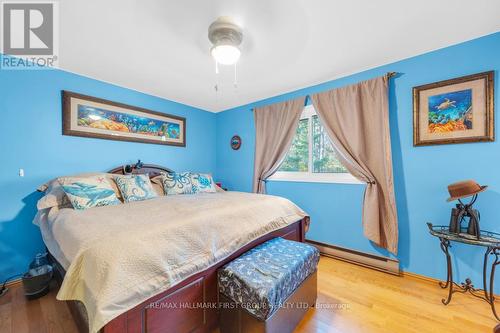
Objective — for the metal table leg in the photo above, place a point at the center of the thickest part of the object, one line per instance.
(445, 244)
(489, 240)
(490, 296)
(485, 271)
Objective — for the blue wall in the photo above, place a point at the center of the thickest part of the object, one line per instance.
(30, 138)
(421, 174)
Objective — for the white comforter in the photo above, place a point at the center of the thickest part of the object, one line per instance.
(119, 256)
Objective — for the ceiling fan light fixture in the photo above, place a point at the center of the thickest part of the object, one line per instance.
(225, 54)
(226, 38)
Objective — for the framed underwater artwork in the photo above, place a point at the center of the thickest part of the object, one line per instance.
(93, 117)
(454, 111)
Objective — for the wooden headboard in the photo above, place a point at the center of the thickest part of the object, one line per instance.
(151, 169)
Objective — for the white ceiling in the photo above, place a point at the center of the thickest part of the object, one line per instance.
(160, 47)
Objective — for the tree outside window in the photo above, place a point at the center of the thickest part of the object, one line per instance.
(311, 150)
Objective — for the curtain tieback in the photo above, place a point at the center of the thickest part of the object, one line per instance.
(371, 182)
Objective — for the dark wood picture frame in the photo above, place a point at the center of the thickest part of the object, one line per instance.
(489, 125)
(67, 130)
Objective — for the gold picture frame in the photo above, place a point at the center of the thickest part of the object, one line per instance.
(454, 111)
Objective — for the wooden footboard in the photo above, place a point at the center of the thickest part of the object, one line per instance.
(190, 306)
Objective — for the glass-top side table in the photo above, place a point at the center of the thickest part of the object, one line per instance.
(490, 241)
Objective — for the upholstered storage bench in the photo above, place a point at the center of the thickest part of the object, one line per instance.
(269, 288)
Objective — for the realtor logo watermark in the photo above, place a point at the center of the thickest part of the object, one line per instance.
(30, 35)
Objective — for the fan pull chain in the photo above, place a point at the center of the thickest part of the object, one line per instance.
(216, 86)
(235, 83)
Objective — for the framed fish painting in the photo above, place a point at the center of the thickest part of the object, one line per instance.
(93, 117)
(454, 111)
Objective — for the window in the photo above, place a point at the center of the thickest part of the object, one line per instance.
(311, 157)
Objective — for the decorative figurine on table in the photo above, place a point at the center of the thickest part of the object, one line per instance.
(464, 211)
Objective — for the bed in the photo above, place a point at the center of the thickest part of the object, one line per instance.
(180, 292)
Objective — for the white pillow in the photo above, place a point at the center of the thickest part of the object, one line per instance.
(56, 197)
(202, 183)
(177, 183)
(135, 187)
(88, 192)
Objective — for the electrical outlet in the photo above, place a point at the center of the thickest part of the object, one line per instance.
(21, 172)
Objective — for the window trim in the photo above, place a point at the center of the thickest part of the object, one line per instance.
(309, 176)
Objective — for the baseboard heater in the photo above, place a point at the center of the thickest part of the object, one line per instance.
(380, 263)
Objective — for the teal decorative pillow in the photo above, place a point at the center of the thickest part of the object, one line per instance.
(177, 183)
(202, 182)
(135, 187)
(89, 192)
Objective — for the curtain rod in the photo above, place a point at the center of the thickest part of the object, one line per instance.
(389, 75)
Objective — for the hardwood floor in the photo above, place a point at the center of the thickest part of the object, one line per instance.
(44, 315)
(379, 302)
(368, 301)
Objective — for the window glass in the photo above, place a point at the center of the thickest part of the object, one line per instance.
(324, 158)
(297, 158)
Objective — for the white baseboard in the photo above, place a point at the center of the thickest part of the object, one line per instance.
(380, 263)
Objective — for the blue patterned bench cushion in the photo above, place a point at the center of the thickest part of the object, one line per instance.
(262, 279)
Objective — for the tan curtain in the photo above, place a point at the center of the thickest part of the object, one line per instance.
(275, 127)
(357, 120)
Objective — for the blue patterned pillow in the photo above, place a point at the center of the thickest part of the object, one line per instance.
(135, 187)
(177, 183)
(202, 182)
(89, 192)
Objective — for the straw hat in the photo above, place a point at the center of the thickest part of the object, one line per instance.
(464, 189)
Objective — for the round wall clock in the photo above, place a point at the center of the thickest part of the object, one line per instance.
(236, 142)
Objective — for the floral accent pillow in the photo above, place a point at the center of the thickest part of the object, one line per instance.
(89, 192)
(203, 183)
(177, 183)
(135, 187)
